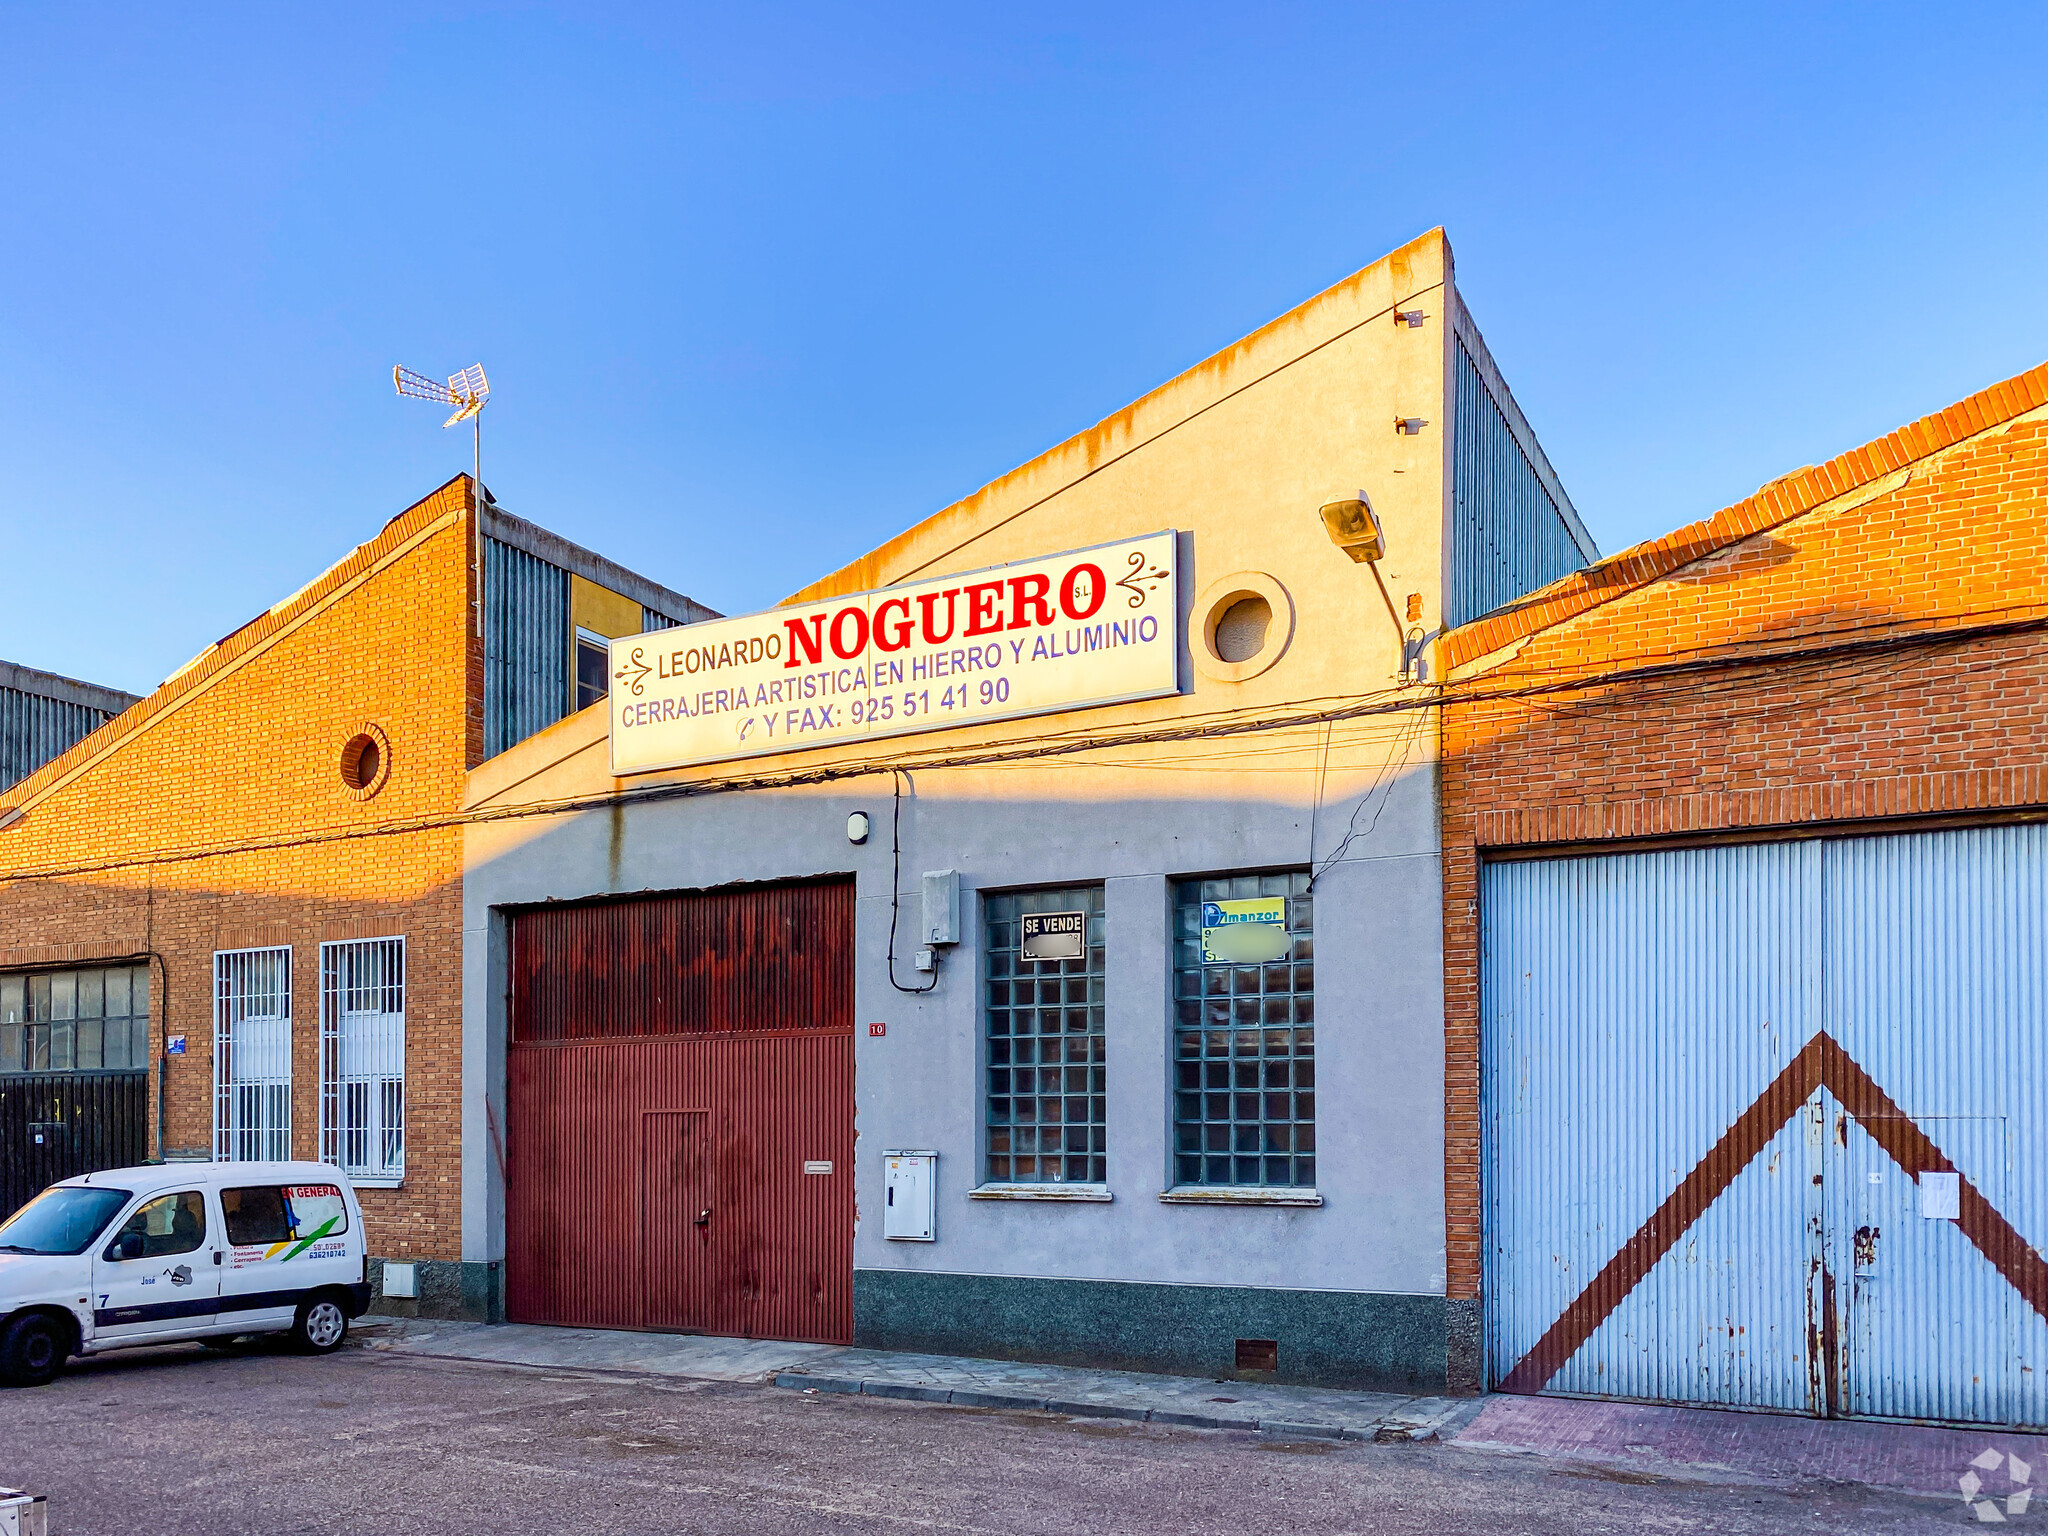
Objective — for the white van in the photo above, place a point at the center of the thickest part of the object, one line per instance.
(172, 1251)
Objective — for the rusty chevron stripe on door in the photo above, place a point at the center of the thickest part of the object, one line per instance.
(1821, 1064)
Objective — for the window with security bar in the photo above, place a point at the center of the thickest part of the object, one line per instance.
(252, 1055)
(1042, 984)
(1244, 1033)
(362, 1057)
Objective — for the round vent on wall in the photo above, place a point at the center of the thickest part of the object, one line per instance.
(1241, 631)
(366, 762)
(1247, 620)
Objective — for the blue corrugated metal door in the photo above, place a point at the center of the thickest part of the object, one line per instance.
(1730, 1098)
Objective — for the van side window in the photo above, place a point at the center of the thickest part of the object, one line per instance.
(255, 1216)
(267, 1214)
(161, 1227)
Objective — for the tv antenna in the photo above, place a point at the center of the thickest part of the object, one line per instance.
(468, 391)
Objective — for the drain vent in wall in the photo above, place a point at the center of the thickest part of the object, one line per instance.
(1258, 1355)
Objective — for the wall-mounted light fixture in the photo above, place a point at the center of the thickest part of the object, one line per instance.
(857, 828)
(1353, 528)
(1408, 426)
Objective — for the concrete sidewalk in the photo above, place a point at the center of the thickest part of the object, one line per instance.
(1682, 1444)
(1296, 1411)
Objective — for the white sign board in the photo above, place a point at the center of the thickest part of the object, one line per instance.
(1093, 626)
(1247, 930)
(1941, 1196)
(1055, 936)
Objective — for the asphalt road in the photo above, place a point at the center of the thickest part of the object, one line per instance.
(176, 1443)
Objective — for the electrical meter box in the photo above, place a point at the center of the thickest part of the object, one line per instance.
(942, 906)
(910, 1182)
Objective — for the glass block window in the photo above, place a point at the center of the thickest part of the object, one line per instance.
(1244, 1104)
(75, 1021)
(1046, 1107)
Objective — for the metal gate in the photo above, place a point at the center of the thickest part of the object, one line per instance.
(54, 1125)
(1762, 1124)
(680, 1114)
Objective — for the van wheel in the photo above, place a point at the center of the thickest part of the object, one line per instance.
(321, 1326)
(32, 1350)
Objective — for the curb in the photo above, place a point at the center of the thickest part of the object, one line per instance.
(1383, 1431)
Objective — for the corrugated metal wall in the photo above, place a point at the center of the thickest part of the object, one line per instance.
(526, 645)
(673, 1056)
(764, 957)
(1936, 984)
(54, 1125)
(1632, 1007)
(1713, 1083)
(34, 729)
(1507, 536)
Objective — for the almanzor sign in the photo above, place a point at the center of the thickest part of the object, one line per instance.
(1246, 930)
(1070, 631)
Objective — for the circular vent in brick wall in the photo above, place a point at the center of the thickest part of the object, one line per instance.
(366, 762)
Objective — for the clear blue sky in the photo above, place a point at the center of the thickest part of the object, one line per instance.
(757, 287)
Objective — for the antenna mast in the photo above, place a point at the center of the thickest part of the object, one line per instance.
(469, 392)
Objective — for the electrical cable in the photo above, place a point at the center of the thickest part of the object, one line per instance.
(1315, 804)
(1388, 773)
(896, 778)
(1218, 724)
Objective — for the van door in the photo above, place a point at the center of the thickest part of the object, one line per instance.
(285, 1241)
(156, 1277)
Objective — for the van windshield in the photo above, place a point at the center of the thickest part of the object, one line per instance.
(60, 1220)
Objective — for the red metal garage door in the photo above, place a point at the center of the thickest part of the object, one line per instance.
(680, 1114)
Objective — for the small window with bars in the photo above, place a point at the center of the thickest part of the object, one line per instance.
(362, 1057)
(252, 1055)
(94, 1020)
(1046, 1100)
(1244, 1103)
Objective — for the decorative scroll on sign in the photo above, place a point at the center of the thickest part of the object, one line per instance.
(1094, 626)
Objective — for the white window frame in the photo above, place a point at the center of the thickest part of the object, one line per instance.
(578, 638)
(362, 1063)
(237, 1138)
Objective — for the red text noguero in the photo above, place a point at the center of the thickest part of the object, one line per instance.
(990, 607)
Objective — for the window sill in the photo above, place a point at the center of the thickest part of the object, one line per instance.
(370, 1183)
(1097, 1194)
(1236, 1194)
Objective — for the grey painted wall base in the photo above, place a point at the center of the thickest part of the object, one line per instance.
(1361, 1339)
(468, 1291)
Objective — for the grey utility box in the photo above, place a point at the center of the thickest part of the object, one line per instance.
(942, 906)
(908, 1206)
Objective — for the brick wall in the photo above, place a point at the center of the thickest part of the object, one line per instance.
(1882, 653)
(214, 816)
